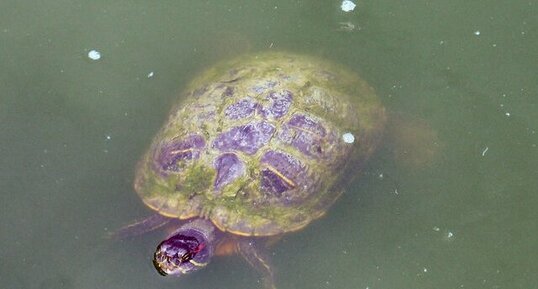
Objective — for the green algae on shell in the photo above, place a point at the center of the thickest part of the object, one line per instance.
(255, 143)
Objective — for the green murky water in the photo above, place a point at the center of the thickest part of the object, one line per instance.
(72, 130)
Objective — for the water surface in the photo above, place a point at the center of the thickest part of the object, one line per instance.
(72, 130)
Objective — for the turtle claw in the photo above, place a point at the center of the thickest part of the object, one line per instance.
(249, 250)
(140, 227)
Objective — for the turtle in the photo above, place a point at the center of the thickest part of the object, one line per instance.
(256, 147)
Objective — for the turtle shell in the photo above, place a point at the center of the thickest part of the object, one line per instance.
(262, 144)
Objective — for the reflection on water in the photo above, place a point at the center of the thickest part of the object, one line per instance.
(73, 129)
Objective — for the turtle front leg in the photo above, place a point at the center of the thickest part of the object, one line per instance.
(140, 227)
(251, 253)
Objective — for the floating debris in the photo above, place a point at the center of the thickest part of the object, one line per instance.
(477, 33)
(94, 55)
(485, 151)
(150, 75)
(348, 6)
(347, 26)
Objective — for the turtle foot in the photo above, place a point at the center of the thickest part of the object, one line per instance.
(259, 261)
(413, 142)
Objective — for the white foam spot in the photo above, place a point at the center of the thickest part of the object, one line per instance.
(348, 6)
(348, 137)
(94, 55)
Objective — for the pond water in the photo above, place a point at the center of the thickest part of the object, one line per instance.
(73, 124)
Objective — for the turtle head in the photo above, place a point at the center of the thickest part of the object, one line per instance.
(188, 249)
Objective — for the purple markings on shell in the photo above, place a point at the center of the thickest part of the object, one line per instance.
(272, 183)
(286, 164)
(229, 91)
(261, 88)
(284, 172)
(241, 109)
(308, 124)
(280, 104)
(246, 138)
(205, 112)
(305, 134)
(199, 91)
(229, 168)
(178, 150)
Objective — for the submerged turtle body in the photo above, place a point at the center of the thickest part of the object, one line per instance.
(256, 145)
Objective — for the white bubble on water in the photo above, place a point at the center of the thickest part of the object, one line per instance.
(348, 6)
(348, 137)
(94, 54)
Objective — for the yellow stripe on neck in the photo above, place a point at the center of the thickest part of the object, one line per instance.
(197, 264)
